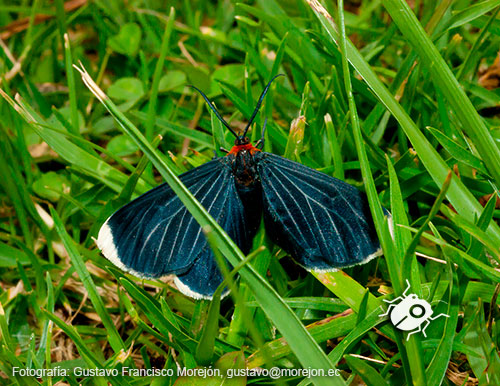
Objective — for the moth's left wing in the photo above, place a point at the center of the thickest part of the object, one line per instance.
(322, 221)
(155, 235)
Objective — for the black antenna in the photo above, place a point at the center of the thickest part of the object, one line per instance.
(259, 103)
(260, 142)
(215, 111)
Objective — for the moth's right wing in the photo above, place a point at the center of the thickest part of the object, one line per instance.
(323, 222)
(155, 234)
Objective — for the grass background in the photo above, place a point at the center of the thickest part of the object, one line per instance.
(412, 120)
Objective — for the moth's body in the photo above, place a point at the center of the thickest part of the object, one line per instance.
(247, 180)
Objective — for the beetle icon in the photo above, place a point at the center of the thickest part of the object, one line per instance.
(411, 313)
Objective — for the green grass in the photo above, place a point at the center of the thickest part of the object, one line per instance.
(390, 99)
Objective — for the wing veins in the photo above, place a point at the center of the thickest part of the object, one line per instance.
(208, 210)
(286, 208)
(204, 183)
(324, 208)
(191, 219)
(314, 173)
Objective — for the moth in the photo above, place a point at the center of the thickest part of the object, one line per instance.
(321, 221)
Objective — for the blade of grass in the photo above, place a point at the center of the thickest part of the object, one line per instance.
(9, 187)
(330, 328)
(240, 325)
(362, 327)
(218, 135)
(304, 347)
(402, 237)
(182, 341)
(334, 148)
(458, 152)
(4, 328)
(68, 60)
(205, 348)
(313, 303)
(71, 86)
(410, 251)
(475, 246)
(9, 360)
(474, 231)
(114, 337)
(470, 61)
(295, 138)
(153, 96)
(439, 363)
(351, 293)
(50, 308)
(71, 331)
(367, 373)
(89, 357)
(472, 12)
(371, 191)
(416, 368)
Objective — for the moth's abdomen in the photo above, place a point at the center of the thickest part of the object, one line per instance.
(247, 181)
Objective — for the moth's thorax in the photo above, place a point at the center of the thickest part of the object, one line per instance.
(243, 164)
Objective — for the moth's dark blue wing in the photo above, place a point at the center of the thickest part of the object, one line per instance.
(323, 222)
(155, 234)
(201, 279)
